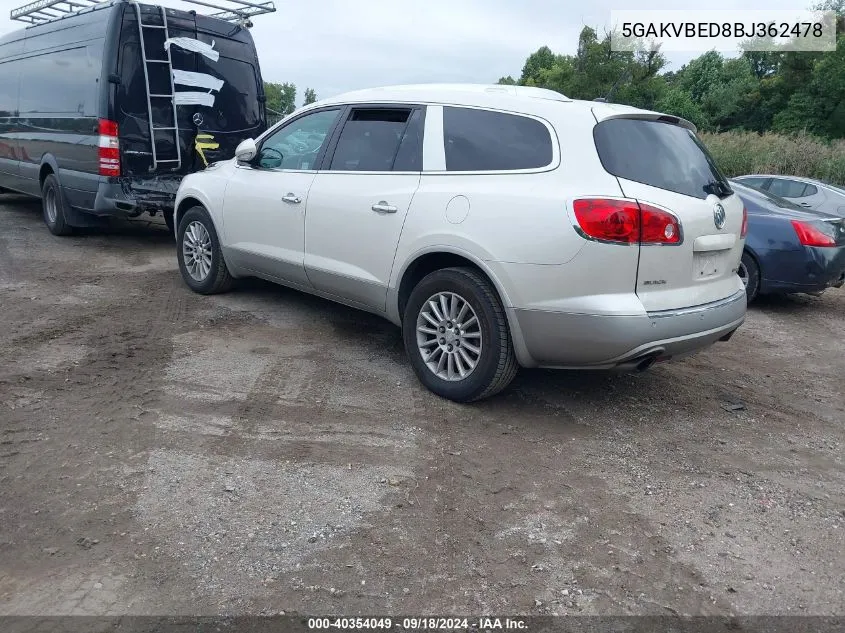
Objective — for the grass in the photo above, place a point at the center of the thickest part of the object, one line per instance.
(739, 153)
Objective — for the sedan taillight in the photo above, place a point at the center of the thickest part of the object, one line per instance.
(626, 221)
(809, 234)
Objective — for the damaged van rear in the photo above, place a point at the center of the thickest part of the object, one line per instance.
(104, 110)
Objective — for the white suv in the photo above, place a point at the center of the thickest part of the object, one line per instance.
(497, 225)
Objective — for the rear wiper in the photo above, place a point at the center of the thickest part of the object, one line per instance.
(718, 188)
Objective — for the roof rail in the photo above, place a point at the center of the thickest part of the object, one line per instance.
(44, 11)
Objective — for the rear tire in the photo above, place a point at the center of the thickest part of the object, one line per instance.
(478, 333)
(749, 272)
(200, 256)
(53, 206)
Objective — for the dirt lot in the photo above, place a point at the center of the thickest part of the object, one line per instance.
(260, 451)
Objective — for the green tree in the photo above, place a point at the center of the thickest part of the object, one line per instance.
(310, 96)
(679, 102)
(596, 69)
(537, 62)
(779, 90)
(281, 98)
(701, 74)
(506, 81)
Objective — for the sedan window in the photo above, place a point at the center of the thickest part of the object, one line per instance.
(757, 183)
(787, 188)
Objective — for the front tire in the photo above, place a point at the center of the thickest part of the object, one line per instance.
(749, 272)
(456, 336)
(53, 206)
(200, 256)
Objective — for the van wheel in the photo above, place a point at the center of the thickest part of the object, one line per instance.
(199, 253)
(456, 336)
(53, 207)
(749, 272)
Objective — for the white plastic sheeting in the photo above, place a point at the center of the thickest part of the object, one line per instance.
(196, 80)
(194, 98)
(195, 46)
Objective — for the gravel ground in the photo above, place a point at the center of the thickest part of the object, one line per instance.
(266, 451)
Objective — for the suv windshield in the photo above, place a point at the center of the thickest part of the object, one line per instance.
(659, 154)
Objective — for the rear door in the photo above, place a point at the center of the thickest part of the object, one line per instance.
(217, 83)
(234, 109)
(659, 161)
(131, 112)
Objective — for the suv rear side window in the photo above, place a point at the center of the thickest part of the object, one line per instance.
(483, 140)
(659, 154)
(370, 140)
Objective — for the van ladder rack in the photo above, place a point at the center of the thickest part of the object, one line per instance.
(44, 11)
(239, 11)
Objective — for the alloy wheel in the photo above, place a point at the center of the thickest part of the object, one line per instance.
(196, 251)
(449, 336)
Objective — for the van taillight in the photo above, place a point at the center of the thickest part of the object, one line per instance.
(744, 231)
(626, 221)
(109, 149)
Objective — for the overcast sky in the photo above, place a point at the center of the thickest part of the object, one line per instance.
(339, 45)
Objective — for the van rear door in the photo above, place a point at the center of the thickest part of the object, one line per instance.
(131, 96)
(659, 161)
(235, 111)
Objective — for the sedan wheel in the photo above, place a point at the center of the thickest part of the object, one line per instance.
(749, 273)
(742, 271)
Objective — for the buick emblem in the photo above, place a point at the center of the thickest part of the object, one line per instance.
(198, 120)
(719, 215)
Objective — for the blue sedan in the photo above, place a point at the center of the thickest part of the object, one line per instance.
(789, 249)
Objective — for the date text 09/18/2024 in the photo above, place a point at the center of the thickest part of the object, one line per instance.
(419, 623)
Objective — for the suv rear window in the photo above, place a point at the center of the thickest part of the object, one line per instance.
(659, 154)
(483, 140)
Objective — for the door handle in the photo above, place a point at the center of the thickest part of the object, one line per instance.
(805, 204)
(384, 207)
(292, 198)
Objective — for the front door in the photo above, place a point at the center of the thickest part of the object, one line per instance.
(358, 202)
(264, 204)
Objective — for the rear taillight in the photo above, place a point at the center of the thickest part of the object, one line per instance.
(811, 235)
(109, 149)
(626, 221)
(744, 230)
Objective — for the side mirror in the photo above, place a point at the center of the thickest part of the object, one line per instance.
(246, 150)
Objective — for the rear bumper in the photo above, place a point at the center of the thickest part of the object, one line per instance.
(132, 196)
(596, 341)
(812, 269)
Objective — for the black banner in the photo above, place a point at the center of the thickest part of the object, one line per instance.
(403, 624)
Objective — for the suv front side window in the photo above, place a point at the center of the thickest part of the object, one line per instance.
(297, 145)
